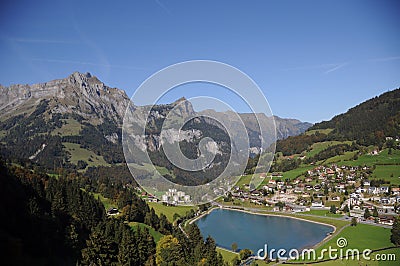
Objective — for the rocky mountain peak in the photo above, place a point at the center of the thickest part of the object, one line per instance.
(80, 93)
(185, 107)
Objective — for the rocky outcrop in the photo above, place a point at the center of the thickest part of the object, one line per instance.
(79, 93)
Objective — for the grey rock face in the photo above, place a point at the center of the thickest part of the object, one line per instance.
(79, 93)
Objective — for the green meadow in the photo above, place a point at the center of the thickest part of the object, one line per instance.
(155, 234)
(360, 237)
(169, 211)
(388, 172)
(71, 127)
(77, 153)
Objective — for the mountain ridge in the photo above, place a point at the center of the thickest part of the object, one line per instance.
(76, 122)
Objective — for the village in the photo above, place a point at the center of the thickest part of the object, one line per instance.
(348, 188)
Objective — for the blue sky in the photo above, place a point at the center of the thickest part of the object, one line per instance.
(312, 59)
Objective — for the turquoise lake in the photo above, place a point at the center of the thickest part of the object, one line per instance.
(253, 231)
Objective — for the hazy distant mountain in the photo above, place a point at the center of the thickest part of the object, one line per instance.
(76, 122)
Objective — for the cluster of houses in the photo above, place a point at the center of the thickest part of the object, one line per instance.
(322, 187)
(174, 197)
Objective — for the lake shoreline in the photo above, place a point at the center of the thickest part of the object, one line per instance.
(270, 214)
(259, 213)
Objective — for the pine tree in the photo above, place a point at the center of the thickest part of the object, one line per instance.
(128, 250)
(367, 214)
(168, 250)
(99, 250)
(395, 237)
(375, 213)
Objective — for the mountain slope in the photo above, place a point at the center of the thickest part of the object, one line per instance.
(369, 122)
(76, 123)
(80, 94)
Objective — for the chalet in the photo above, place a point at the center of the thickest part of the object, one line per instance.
(277, 175)
(317, 204)
(361, 190)
(340, 186)
(298, 190)
(355, 201)
(337, 198)
(356, 212)
(396, 191)
(373, 190)
(329, 172)
(112, 211)
(296, 181)
(386, 219)
(384, 201)
(384, 189)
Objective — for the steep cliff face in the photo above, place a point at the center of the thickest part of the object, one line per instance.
(76, 122)
(81, 94)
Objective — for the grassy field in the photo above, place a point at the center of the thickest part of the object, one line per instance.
(320, 146)
(155, 234)
(347, 156)
(292, 174)
(323, 131)
(169, 211)
(361, 237)
(152, 168)
(106, 201)
(324, 213)
(70, 128)
(370, 160)
(245, 180)
(227, 255)
(388, 172)
(78, 153)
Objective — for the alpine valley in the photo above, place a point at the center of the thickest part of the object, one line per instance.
(68, 198)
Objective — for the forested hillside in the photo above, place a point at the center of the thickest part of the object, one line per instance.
(57, 221)
(369, 122)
